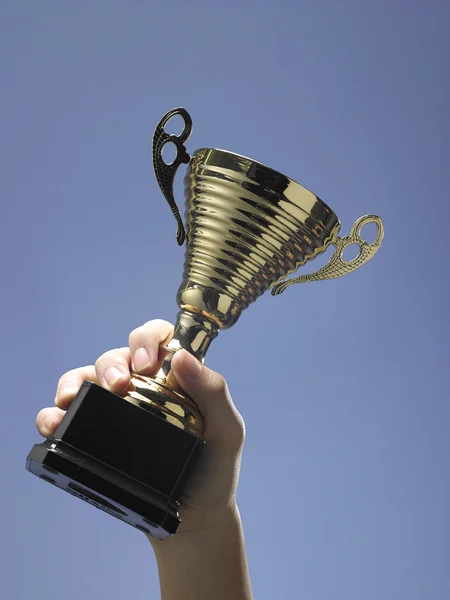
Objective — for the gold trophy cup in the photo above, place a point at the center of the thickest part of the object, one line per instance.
(247, 228)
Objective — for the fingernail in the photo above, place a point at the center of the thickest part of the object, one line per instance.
(112, 375)
(141, 359)
(48, 423)
(192, 367)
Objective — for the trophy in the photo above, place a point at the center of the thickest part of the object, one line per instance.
(248, 227)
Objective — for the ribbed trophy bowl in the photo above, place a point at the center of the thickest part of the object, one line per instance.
(247, 227)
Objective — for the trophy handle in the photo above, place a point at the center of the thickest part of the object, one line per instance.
(337, 266)
(165, 174)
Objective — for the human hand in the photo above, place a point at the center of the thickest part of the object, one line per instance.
(211, 491)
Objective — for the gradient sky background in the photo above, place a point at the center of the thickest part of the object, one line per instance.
(344, 385)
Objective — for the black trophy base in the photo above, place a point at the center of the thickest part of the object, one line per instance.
(121, 458)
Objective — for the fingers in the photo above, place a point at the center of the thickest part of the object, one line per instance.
(48, 420)
(113, 370)
(70, 383)
(145, 345)
(224, 426)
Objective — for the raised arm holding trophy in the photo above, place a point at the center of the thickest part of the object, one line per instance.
(247, 229)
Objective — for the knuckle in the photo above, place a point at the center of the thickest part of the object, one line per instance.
(134, 336)
(41, 414)
(67, 377)
(236, 430)
(239, 431)
(158, 324)
(218, 384)
(61, 380)
(111, 357)
(151, 331)
(108, 356)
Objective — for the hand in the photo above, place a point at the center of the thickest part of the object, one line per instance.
(211, 490)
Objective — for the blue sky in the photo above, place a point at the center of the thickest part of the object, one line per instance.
(343, 385)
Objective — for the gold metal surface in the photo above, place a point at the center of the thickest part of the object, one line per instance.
(164, 401)
(247, 228)
(161, 393)
(337, 265)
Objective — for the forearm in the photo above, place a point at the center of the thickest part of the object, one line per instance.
(205, 564)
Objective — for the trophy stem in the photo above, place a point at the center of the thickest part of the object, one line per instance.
(161, 393)
(193, 332)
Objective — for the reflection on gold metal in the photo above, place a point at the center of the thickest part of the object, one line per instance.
(161, 393)
(337, 265)
(247, 228)
(165, 402)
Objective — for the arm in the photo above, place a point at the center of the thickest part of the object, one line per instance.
(205, 564)
(206, 558)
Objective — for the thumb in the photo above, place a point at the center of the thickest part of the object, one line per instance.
(224, 425)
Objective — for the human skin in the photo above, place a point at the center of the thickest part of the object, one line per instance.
(206, 558)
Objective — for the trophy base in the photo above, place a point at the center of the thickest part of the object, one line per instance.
(121, 458)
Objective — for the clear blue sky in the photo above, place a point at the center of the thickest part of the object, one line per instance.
(344, 385)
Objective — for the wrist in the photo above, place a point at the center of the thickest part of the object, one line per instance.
(199, 528)
(205, 562)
